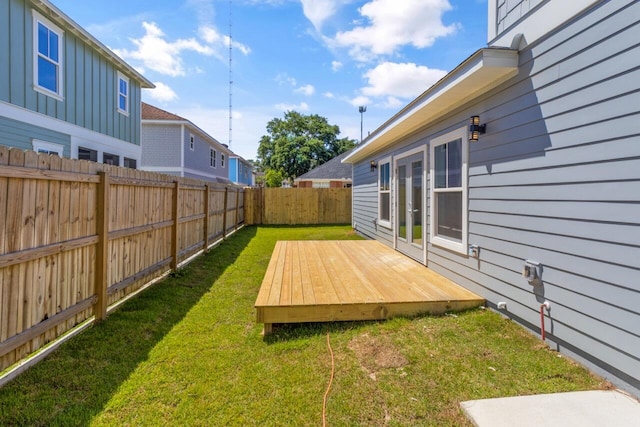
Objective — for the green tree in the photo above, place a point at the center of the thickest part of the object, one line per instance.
(273, 178)
(298, 143)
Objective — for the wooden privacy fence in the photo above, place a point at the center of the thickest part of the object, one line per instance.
(292, 206)
(77, 236)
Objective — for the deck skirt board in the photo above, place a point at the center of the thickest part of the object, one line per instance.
(322, 281)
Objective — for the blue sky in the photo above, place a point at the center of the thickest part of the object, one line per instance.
(323, 57)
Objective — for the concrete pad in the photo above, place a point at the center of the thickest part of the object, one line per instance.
(595, 408)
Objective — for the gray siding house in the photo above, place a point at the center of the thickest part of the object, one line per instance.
(64, 92)
(331, 174)
(173, 145)
(537, 199)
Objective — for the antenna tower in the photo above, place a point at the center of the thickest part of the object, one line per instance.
(230, 73)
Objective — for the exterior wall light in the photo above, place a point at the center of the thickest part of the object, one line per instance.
(374, 165)
(475, 128)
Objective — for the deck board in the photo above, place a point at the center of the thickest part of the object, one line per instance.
(321, 281)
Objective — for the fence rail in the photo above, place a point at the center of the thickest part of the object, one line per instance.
(298, 206)
(77, 236)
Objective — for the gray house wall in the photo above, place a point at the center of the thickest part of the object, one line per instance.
(555, 179)
(510, 11)
(161, 145)
(197, 161)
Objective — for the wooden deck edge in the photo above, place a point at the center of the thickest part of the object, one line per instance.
(360, 311)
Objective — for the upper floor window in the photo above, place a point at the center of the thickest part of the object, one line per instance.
(47, 61)
(192, 140)
(123, 94)
(212, 157)
(221, 160)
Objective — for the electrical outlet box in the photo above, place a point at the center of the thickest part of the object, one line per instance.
(474, 251)
(532, 271)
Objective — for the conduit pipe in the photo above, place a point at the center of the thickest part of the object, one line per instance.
(542, 307)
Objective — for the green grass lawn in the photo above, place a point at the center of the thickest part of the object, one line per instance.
(188, 352)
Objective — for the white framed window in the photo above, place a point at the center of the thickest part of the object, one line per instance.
(47, 57)
(221, 160)
(123, 94)
(192, 141)
(47, 147)
(212, 157)
(384, 192)
(449, 187)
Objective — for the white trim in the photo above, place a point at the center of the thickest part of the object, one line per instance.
(79, 136)
(124, 78)
(182, 153)
(161, 169)
(381, 222)
(461, 247)
(481, 72)
(59, 94)
(38, 144)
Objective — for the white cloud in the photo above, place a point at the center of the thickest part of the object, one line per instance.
(284, 78)
(318, 11)
(400, 80)
(328, 95)
(336, 65)
(360, 100)
(158, 54)
(307, 90)
(162, 93)
(393, 24)
(303, 106)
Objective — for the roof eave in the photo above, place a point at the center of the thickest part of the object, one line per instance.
(59, 16)
(481, 72)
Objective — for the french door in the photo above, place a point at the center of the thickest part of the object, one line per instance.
(410, 206)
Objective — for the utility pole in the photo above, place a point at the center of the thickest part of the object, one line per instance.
(362, 109)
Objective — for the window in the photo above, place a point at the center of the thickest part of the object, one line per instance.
(110, 159)
(449, 185)
(192, 141)
(130, 163)
(212, 157)
(221, 160)
(87, 154)
(123, 94)
(47, 61)
(384, 192)
(47, 147)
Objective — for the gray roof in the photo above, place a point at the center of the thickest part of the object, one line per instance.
(332, 169)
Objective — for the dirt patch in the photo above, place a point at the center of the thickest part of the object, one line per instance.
(376, 353)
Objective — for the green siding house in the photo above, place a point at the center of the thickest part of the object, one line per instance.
(64, 92)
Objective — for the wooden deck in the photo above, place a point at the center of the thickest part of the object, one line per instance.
(323, 281)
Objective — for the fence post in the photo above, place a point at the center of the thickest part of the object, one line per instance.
(206, 217)
(224, 216)
(176, 226)
(235, 227)
(102, 248)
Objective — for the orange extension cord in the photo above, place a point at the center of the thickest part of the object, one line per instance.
(326, 394)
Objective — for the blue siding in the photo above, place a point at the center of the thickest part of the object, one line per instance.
(20, 135)
(555, 179)
(233, 170)
(89, 79)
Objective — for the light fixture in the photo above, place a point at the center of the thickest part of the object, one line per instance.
(475, 128)
(374, 165)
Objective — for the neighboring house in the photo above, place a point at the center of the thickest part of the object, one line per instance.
(64, 92)
(554, 179)
(173, 145)
(331, 174)
(240, 171)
